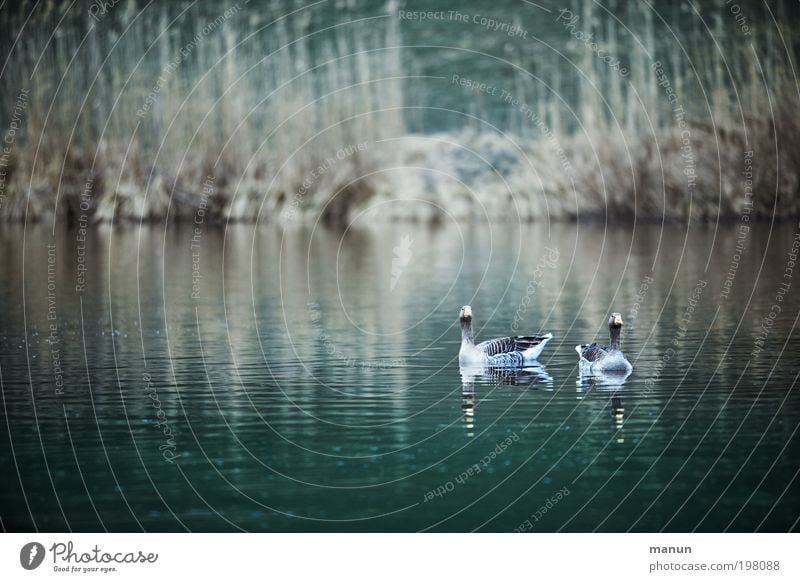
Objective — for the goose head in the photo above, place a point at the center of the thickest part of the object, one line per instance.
(615, 321)
(465, 315)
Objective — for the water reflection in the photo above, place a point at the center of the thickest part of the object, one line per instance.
(618, 415)
(530, 376)
(533, 376)
(468, 406)
(309, 365)
(603, 382)
(610, 379)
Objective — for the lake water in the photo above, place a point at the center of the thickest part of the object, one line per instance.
(307, 380)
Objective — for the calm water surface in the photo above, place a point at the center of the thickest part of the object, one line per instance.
(307, 380)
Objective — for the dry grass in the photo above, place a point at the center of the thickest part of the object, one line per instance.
(269, 115)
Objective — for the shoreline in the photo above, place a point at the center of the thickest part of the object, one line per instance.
(215, 222)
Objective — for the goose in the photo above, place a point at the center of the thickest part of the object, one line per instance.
(595, 358)
(515, 351)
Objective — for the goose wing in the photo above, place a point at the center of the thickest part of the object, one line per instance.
(592, 352)
(508, 345)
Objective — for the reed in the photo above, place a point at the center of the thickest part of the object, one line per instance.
(137, 111)
(153, 114)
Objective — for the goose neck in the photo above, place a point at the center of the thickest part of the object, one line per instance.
(615, 337)
(467, 335)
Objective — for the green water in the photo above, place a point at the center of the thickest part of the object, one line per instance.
(313, 385)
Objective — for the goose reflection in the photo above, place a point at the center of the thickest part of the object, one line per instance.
(603, 379)
(527, 377)
(468, 406)
(611, 382)
(618, 416)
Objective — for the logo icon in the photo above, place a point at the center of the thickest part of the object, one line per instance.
(31, 555)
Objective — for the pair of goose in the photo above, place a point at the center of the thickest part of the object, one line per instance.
(522, 350)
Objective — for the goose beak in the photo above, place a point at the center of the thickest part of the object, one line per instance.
(617, 318)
